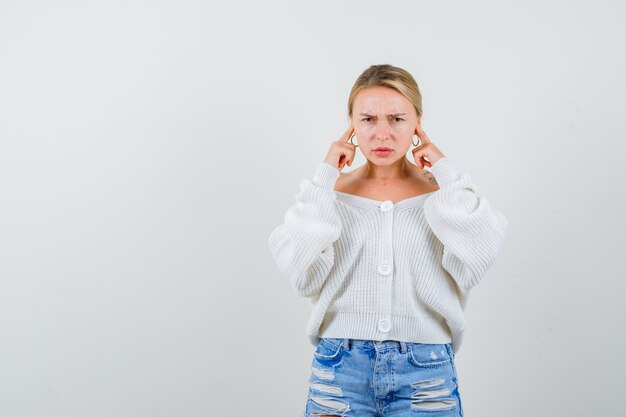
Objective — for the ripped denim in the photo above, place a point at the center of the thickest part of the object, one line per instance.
(359, 378)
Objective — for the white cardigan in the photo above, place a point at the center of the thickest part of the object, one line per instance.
(377, 270)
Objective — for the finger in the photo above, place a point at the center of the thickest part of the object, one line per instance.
(346, 156)
(417, 155)
(348, 133)
(350, 156)
(422, 135)
(350, 144)
(341, 162)
(423, 162)
(420, 157)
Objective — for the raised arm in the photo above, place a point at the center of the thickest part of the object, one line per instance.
(471, 231)
(303, 245)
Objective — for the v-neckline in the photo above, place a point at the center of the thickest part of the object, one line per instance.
(414, 201)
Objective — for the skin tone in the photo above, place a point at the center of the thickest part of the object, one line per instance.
(381, 116)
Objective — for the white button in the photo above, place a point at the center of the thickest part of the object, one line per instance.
(384, 325)
(384, 268)
(386, 205)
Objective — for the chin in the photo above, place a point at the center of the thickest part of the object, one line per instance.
(382, 161)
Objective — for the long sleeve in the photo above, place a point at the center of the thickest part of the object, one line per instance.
(471, 231)
(303, 245)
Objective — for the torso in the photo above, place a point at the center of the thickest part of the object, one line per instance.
(420, 182)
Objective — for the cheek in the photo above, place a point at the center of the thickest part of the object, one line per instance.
(406, 128)
(366, 128)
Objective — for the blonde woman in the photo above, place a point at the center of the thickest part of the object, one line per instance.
(387, 253)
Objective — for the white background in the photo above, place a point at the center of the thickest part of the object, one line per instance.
(148, 149)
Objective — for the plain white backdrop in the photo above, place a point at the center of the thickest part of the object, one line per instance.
(148, 148)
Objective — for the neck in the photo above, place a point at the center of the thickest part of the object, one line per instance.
(400, 169)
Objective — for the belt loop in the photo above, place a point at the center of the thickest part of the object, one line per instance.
(450, 351)
(402, 347)
(346, 343)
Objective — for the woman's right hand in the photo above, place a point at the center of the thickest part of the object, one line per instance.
(341, 151)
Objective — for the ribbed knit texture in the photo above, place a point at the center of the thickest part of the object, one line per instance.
(377, 270)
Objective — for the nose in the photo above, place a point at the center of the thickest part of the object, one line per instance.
(382, 130)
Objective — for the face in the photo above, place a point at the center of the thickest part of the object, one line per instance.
(382, 117)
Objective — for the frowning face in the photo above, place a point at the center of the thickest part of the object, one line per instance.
(384, 124)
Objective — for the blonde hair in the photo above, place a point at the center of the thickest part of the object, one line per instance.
(386, 75)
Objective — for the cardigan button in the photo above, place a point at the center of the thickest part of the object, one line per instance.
(386, 205)
(384, 268)
(384, 325)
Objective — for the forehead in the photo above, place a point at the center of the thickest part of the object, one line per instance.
(381, 99)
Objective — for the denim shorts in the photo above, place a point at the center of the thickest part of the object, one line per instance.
(365, 378)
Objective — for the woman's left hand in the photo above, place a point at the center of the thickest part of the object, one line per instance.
(426, 153)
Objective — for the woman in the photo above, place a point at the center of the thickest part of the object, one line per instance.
(387, 254)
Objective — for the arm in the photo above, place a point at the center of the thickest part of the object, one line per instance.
(303, 245)
(471, 232)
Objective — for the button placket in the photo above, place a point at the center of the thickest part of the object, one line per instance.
(385, 265)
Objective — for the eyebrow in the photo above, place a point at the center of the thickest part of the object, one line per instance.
(392, 114)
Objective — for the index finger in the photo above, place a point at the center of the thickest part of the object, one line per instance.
(422, 135)
(348, 133)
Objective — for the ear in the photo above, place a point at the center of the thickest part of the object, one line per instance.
(419, 121)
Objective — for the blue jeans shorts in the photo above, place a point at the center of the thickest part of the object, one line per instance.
(365, 378)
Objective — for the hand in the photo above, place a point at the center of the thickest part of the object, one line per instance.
(341, 151)
(426, 153)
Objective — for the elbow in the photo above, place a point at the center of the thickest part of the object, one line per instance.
(466, 275)
(306, 276)
(472, 277)
(305, 286)
(301, 284)
(469, 267)
(309, 281)
(303, 289)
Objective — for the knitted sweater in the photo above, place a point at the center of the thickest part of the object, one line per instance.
(377, 270)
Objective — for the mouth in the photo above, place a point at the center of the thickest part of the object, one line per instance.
(382, 151)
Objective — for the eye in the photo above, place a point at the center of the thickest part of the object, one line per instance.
(367, 118)
(399, 118)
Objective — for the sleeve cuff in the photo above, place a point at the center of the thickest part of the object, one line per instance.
(326, 176)
(444, 171)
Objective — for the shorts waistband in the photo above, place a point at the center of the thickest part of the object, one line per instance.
(372, 344)
(378, 345)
